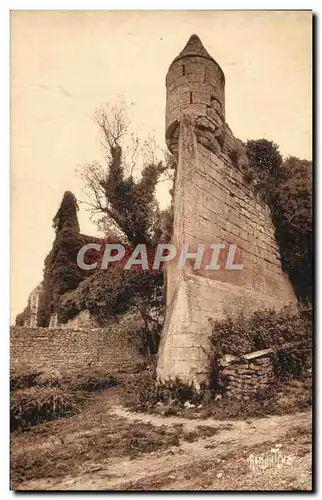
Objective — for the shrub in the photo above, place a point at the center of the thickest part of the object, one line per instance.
(20, 380)
(142, 392)
(269, 329)
(49, 378)
(47, 395)
(34, 405)
(92, 382)
(61, 272)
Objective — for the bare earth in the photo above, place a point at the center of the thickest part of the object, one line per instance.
(209, 454)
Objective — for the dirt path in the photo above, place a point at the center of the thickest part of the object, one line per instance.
(268, 425)
(218, 462)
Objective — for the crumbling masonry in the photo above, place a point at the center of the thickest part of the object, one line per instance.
(212, 204)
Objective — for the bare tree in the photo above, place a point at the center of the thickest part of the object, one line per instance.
(121, 193)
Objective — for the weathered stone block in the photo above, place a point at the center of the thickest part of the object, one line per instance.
(201, 97)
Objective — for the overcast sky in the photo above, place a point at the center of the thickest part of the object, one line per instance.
(65, 64)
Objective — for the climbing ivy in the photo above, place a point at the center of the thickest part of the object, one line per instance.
(286, 185)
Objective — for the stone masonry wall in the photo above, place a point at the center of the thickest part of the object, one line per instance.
(242, 379)
(212, 204)
(113, 349)
(229, 212)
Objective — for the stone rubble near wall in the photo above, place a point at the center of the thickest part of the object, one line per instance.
(242, 379)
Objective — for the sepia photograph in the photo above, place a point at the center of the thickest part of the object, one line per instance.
(161, 206)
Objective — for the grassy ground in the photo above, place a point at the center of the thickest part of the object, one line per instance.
(108, 447)
(52, 449)
(40, 397)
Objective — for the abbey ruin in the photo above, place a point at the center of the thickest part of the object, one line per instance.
(213, 203)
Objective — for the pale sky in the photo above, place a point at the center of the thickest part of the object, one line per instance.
(65, 64)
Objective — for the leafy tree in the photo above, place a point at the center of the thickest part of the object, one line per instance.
(264, 162)
(264, 157)
(292, 216)
(287, 187)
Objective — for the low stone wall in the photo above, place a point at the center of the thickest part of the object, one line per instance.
(242, 378)
(113, 349)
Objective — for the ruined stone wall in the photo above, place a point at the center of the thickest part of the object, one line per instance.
(83, 319)
(242, 378)
(34, 304)
(212, 204)
(30, 314)
(115, 349)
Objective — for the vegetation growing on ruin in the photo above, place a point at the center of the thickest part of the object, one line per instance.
(120, 196)
(33, 406)
(61, 272)
(286, 185)
(109, 293)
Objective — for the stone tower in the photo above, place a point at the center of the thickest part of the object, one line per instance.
(212, 204)
(196, 88)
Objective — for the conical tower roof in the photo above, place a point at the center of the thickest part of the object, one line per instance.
(194, 47)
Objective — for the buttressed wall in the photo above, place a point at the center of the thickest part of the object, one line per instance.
(212, 204)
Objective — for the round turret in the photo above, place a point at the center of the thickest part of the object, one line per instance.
(196, 86)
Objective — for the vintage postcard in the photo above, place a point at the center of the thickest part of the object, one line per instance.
(161, 250)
